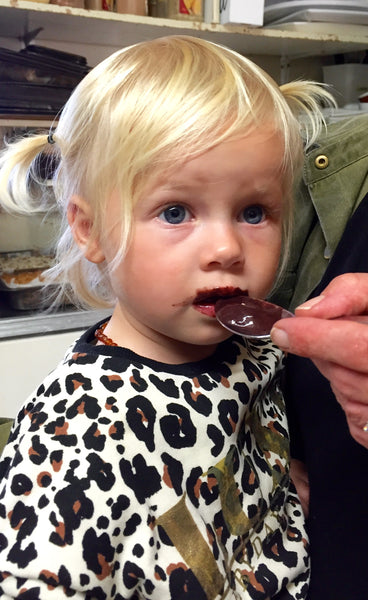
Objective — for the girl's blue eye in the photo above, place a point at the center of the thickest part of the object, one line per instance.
(174, 214)
(253, 214)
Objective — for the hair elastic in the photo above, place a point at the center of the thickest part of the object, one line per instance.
(50, 138)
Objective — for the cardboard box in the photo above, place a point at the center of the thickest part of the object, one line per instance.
(247, 12)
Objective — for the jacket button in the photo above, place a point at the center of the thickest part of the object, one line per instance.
(321, 161)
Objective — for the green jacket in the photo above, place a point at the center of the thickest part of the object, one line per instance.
(335, 180)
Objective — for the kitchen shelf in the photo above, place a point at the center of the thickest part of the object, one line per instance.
(42, 324)
(26, 120)
(19, 18)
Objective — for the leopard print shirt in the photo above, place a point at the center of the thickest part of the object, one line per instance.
(128, 478)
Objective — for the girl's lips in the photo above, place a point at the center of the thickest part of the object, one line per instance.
(206, 309)
(205, 300)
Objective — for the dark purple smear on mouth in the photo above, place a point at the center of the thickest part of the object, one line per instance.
(249, 316)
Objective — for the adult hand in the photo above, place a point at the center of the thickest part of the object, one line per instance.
(337, 346)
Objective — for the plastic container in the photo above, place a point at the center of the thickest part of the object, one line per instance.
(348, 81)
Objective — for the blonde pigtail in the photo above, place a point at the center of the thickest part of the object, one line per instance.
(19, 171)
(306, 100)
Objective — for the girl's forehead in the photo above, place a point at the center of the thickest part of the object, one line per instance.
(206, 147)
(254, 159)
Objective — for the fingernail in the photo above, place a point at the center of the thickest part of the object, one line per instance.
(280, 338)
(312, 302)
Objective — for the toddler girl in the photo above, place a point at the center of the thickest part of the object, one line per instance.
(153, 462)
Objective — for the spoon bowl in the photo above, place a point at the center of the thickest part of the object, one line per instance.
(250, 317)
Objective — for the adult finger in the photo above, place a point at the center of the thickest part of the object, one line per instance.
(350, 384)
(345, 295)
(339, 341)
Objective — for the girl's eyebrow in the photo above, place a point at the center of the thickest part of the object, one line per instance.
(170, 187)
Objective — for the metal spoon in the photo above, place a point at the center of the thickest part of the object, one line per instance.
(253, 318)
(249, 317)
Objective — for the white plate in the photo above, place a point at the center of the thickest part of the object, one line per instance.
(314, 27)
(284, 9)
(348, 17)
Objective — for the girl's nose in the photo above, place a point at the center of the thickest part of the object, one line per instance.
(222, 248)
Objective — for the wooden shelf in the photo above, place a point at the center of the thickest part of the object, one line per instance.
(7, 120)
(61, 23)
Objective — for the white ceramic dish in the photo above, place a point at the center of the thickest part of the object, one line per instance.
(347, 17)
(281, 10)
(314, 27)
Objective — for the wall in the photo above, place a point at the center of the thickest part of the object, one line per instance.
(25, 362)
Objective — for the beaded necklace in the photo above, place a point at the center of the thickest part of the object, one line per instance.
(101, 337)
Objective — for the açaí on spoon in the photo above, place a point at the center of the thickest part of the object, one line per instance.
(249, 317)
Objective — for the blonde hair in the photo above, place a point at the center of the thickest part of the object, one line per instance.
(141, 112)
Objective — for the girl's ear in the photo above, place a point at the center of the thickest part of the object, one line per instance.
(80, 219)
